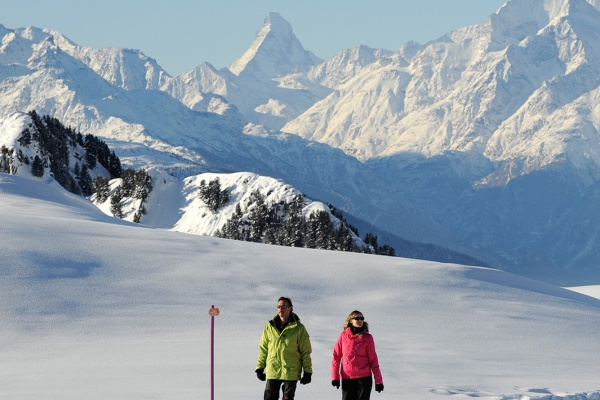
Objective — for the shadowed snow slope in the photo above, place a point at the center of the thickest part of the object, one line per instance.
(97, 310)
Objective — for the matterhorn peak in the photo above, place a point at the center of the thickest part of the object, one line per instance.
(275, 51)
(276, 23)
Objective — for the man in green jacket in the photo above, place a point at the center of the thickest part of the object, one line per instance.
(284, 351)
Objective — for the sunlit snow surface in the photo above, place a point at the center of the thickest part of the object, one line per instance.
(96, 308)
(592, 291)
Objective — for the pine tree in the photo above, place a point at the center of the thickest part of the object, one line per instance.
(85, 181)
(294, 227)
(231, 229)
(114, 166)
(258, 217)
(21, 157)
(127, 182)
(103, 154)
(371, 240)
(344, 239)
(269, 235)
(386, 250)
(90, 145)
(138, 215)
(212, 195)
(72, 185)
(100, 188)
(37, 167)
(90, 159)
(330, 243)
(116, 208)
(142, 185)
(312, 229)
(321, 231)
(235, 231)
(79, 139)
(4, 163)
(25, 138)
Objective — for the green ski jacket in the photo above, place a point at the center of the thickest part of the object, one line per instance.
(284, 355)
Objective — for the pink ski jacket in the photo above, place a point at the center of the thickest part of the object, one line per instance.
(354, 357)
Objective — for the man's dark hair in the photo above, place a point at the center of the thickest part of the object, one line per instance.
(287, 299)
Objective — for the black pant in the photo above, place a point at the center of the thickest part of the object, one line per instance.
(357, 389)
(273, 386)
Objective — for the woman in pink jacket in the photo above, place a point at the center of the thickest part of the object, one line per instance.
(355, 360)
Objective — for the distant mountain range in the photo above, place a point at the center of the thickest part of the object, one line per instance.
(484, 141)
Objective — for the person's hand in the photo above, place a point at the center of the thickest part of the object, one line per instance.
(379, 387)
(260, 373)
(305, 379)
(336, 383)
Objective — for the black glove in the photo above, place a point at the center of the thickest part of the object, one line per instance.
(260, 373)
(305, 379)
(379, 387)
(336, 383)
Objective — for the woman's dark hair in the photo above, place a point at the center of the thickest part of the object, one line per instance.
(287, 299)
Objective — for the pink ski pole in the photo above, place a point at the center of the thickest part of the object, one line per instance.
(212, 312)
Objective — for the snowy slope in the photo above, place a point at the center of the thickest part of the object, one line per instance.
(345, 65)
(175, 204)
(367, 102)
(19, 157)
(100, 310)
(197, 218)
(592, 291)
(11, 128)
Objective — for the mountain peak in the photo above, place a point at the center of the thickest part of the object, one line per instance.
(274, 52)
(275, 22)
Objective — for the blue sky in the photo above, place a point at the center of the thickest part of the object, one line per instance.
(180, 34)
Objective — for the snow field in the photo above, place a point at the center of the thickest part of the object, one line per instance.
(101, 310)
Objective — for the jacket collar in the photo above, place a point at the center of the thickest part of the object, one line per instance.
(349, 333)
(276, 321)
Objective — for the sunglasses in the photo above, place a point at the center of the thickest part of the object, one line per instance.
(284, 307)
(359, 318)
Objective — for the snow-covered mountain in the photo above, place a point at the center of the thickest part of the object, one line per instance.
(276, 51)
(148, 126)
(495, 90)
(126, 68)
(266, 83)
(486, 137)
(493, 129)
(271, 103)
